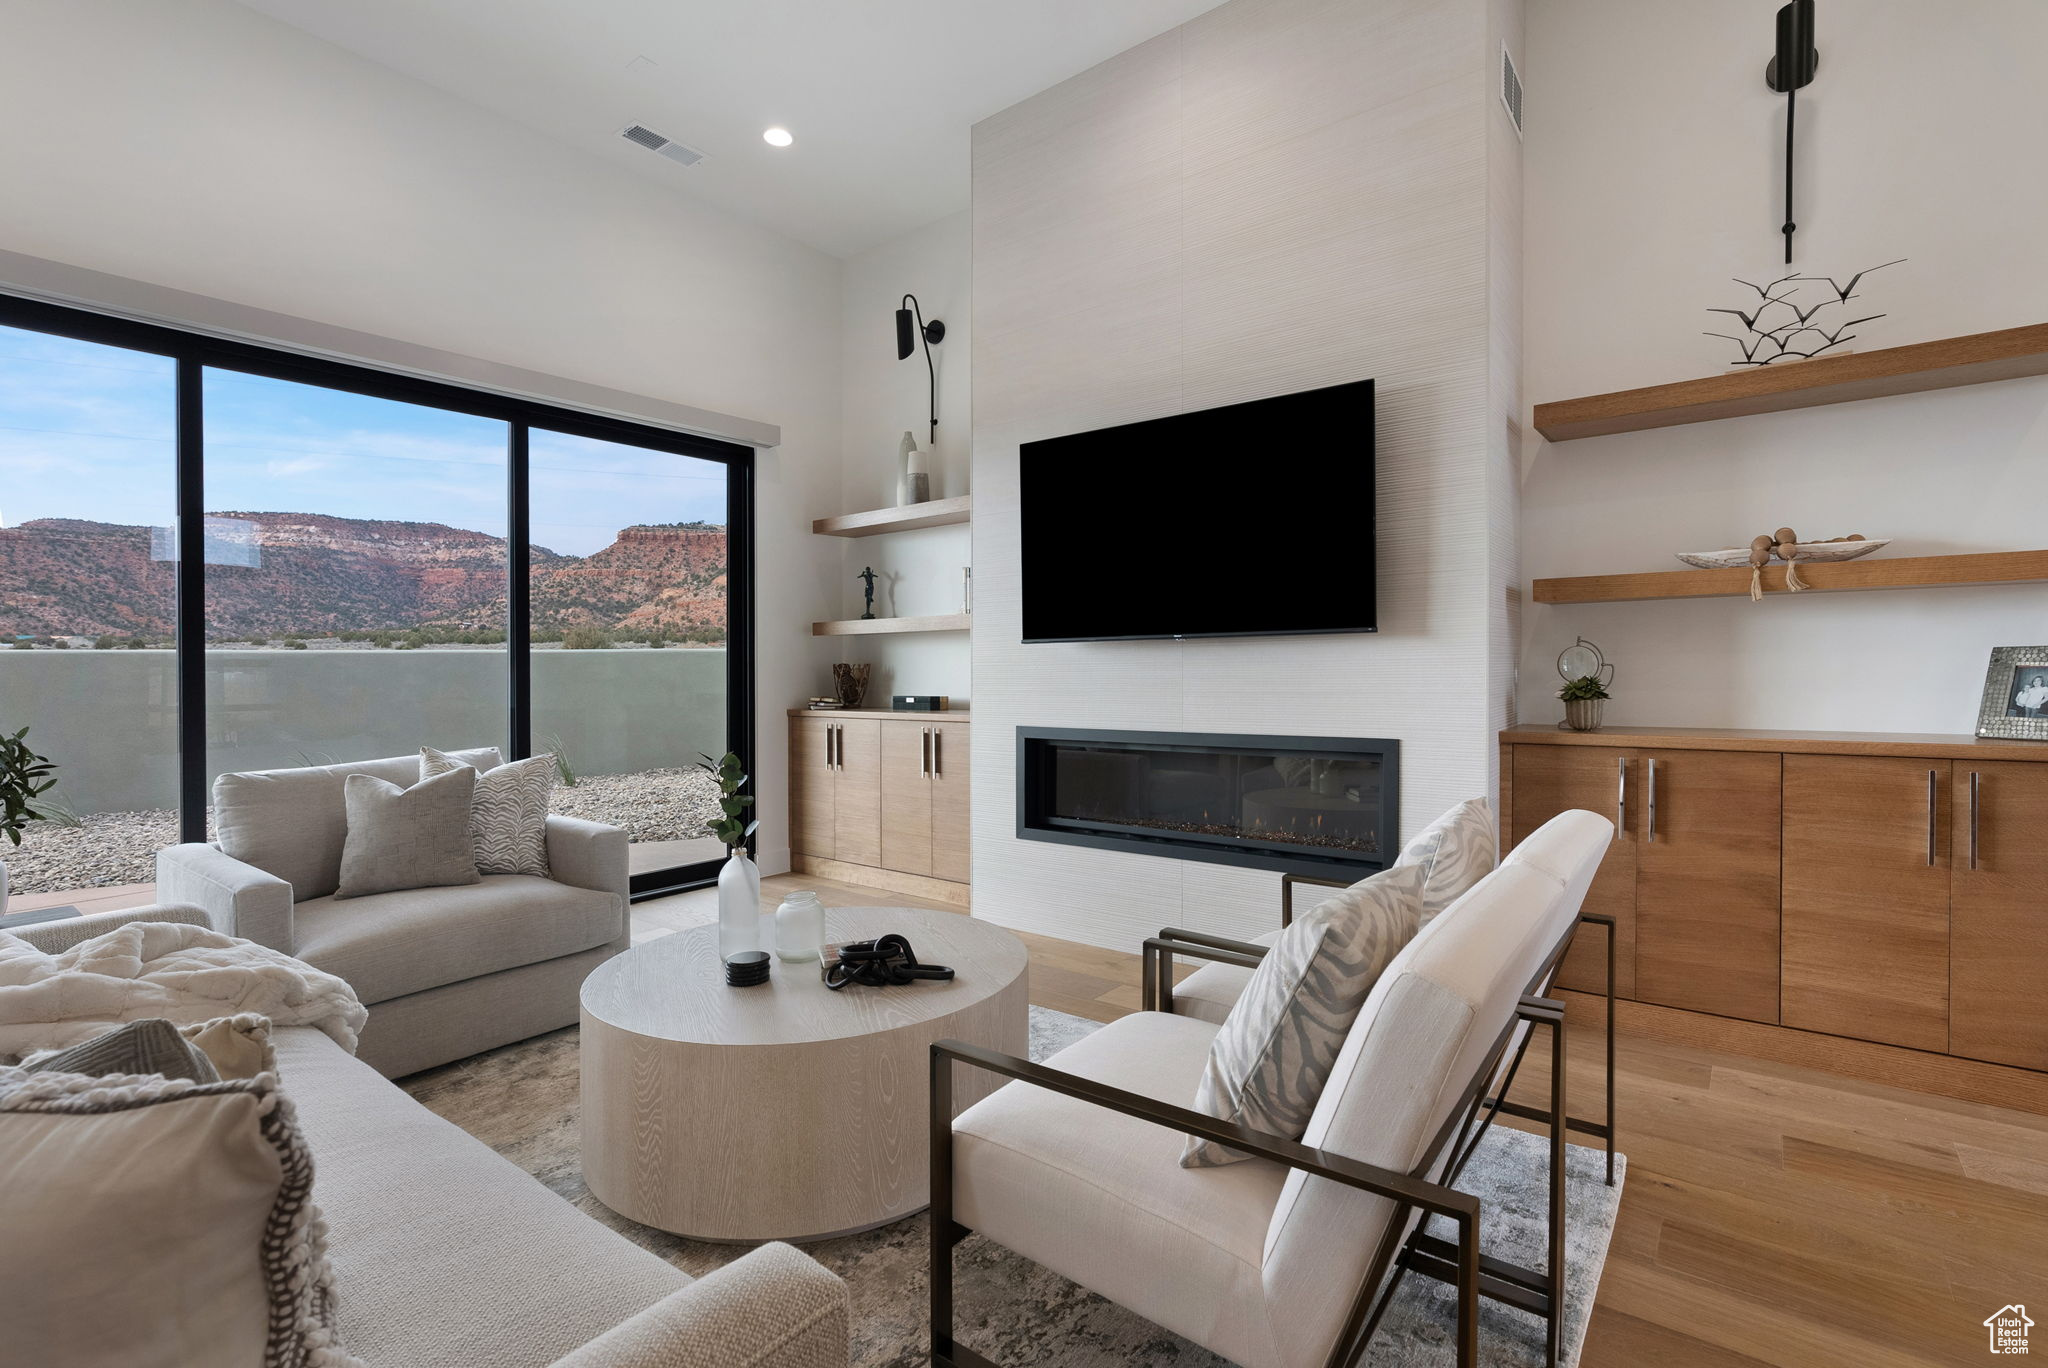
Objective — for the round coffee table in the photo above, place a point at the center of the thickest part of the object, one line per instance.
(786, 1111)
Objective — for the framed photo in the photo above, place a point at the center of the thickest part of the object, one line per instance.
(2016, 694)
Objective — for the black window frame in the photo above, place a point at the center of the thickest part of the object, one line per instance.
(194, 352)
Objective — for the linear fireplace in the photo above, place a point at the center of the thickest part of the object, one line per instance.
(1306, 804)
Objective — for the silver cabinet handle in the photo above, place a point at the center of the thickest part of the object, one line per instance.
(1652, 801)
(938, 763)
(1976, 780)
(1930, 818)
(1621, 796)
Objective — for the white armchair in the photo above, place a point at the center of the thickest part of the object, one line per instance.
(1281, 1261)
(447, 972)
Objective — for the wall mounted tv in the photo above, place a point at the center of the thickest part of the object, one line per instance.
(1250, 520)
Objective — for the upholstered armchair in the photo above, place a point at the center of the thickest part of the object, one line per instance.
(1282, 1261)
(446, 972)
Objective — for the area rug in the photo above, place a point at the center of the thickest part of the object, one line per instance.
(522, 1100)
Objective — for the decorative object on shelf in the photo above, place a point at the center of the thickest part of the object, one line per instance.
(1835, 549)
(746, 968)
(739, 882)
(825, 705)
(1586, 675)
(1790, 68)
(878, 963)
(850, 684)
(1777, 330)
(2015, 704)
(913, 476)
(24, 777)
(800, 928)
(932, 334)
(867, 579)
(919, 702)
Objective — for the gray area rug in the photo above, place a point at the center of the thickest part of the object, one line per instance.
(522, 1100)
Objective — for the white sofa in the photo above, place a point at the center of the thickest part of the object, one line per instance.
(448, 1256)
(1270, 1263)
(446, 972)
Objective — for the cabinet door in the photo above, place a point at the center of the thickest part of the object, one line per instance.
(1999, 913)
(1707, 882)
(857, 792)
(949, 801)
(1553, 779)
(906, 797)
(810, 786)
(1866, 898)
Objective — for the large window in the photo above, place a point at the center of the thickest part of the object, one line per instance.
(217, 558)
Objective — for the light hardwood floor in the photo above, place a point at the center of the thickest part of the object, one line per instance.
(1773, 1215)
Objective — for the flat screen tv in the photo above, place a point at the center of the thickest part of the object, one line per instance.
(1250, 520)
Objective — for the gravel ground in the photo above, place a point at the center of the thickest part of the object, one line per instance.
(112, 848)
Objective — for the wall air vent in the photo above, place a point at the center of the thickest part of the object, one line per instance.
(677, 152)
(1510, 89)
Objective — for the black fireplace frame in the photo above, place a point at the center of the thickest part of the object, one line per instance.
(1033, 822)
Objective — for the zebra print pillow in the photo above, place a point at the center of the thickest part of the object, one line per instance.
(1268, 1064)
(508, 817)
(1454, 852)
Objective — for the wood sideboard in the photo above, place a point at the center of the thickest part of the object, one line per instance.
(880, 798)
(1882, 888)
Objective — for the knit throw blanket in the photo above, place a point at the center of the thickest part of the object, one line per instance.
(185, 974)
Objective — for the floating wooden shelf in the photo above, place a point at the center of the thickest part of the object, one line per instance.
(1905, 572)
(945, 622)
(936, 513)
(2005, 355)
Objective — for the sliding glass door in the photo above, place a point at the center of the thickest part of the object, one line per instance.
(627, 582)
(228, 558)
(88, 607)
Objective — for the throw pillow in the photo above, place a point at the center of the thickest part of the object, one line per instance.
(150, 1046)
(1454, 852)
(1275, 1051)
(162, 1223)
(508, 821)
(237, 1046)
(402, 838)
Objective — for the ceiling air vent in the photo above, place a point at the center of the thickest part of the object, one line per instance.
(681, 153)
(1510, 90)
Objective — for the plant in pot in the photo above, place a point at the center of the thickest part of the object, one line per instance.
(739, 883)
(24, 777)
(1582, 699)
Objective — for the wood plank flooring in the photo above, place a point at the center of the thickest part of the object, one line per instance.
(1774, 1216)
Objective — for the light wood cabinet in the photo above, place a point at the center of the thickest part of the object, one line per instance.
(884, 794)
(1706, 935)
(1866, 893)
(1553, 779)
(1891, 889)
(1998, 913)
(949, 785)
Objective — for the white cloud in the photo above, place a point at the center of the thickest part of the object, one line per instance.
(302, 465)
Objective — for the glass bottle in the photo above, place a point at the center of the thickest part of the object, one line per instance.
(799, 927)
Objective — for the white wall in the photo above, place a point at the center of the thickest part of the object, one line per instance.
(917, 572)
(1655, 173)
(1279, 195)
(203, 146)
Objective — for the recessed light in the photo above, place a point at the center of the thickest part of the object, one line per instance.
(777, 137)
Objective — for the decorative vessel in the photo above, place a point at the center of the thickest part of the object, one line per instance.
(739, 905)
(799, 927)
(1843, 550)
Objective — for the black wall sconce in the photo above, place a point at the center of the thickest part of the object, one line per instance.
(1792, 67)
(933, 333)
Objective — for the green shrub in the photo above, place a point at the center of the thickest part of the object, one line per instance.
(586, 639)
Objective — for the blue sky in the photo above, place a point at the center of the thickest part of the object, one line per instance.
(86, 431)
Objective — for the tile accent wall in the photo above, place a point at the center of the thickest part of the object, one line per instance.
(1279, 195)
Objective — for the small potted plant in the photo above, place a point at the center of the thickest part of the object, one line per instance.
(24, 777)
(739, 883)
(1582, 699)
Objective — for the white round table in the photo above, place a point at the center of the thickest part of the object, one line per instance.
(786, 1111)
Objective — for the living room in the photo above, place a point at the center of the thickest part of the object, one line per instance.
(1285, 764)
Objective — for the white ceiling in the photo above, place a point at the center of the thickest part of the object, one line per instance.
(879, 93)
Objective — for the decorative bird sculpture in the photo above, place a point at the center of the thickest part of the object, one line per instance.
(1844, 293)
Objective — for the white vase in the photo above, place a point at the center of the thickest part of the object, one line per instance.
(913, 478)
(739, 905)
(800, 927)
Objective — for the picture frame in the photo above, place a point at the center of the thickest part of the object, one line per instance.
(2015, 705)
